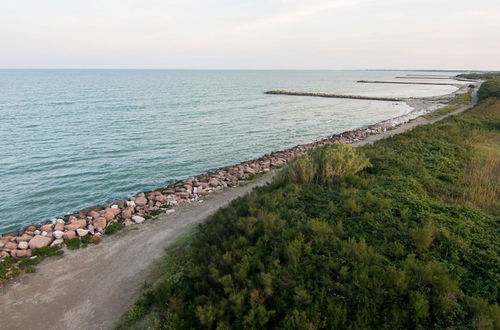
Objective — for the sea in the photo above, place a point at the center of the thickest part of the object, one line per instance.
(72, 139)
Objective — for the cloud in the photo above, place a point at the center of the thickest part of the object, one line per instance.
(297, 14)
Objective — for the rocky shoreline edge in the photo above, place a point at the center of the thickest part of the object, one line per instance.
(90, 224)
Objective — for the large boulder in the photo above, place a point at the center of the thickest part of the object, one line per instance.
(48, 227)
(10, 246)
(20, 253)
(141, 201)
(57, 242)
(113, 210)
(4, 254)
(109, 216)
(70, 234)
(94, 214)
(81, 223)
(59, 226)
(213, 182)
(100, 223)
(82, 232)
(138, 219)
(23, 245)
(184, 195)
(24, 238)
(71, 227)
(127, 213)
(39, 242)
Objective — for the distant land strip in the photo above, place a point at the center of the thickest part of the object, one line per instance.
(338, 96)
(420, 77)
(427, 75)
(403, 83)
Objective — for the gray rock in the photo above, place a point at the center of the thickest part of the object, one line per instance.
(138, 219)
(23, 245)
(82, 232)
(91, 229)
(57, 242)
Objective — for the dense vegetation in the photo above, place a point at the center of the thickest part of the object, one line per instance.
(400, 234)
(490, 88)
(481, 75)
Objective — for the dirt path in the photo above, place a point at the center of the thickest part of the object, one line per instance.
(91, 288)
(416, 122)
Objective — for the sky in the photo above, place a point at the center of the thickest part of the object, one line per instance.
(251, 34)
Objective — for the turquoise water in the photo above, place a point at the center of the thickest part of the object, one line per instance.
(71, 139)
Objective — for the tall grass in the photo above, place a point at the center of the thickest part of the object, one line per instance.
(320, 165)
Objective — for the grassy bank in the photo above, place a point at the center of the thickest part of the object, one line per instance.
(399, 234)
(459, 100)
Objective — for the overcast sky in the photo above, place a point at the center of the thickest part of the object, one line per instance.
(250, 34)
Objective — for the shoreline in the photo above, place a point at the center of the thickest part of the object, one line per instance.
(94, 221)
(109, 278)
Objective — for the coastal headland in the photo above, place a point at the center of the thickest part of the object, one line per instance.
(87, 226)
(118, 265)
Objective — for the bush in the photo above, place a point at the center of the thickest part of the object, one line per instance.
(72, 244)
(301, 170)
(490, 88)
(336, 161)
(322, 164)
(114, 227)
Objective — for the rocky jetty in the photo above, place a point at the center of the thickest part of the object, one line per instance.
(338, 96)
(135, 210)
(406, 83)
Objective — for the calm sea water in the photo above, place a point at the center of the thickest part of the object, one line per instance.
(71, 139)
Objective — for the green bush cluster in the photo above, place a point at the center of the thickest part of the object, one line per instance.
(482, 75)
(114, 227)
(490, 88)
(322, 164)
(398, 245)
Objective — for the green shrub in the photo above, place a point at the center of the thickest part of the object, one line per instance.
(336, 161)
(113, 228)
(333, 161)
(156, 212)
(72, 244)
(490, 88)
(301, 170)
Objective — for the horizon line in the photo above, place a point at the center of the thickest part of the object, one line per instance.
(233, 69)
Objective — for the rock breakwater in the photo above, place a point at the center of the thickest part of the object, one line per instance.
(406, 83)
(338, 96)
(135, 210)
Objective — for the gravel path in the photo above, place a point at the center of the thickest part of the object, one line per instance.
(91, 288)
